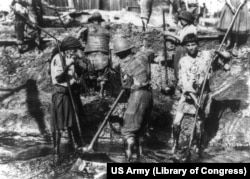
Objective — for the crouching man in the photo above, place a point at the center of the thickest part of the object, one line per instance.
(192, 72)
(136, 78)
(63, 113)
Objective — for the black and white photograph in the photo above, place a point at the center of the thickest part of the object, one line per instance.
(88, 84)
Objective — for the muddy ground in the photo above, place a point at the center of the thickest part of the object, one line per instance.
(25, 100)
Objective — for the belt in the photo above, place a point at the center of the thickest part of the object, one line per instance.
(142, 88)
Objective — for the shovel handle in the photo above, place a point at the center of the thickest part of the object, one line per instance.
(91, 145)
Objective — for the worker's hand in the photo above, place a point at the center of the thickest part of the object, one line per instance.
(189, 88)
(195, 99)
(179, 9)
(127, 82)
(243, 1)
(224, 54)
(69, 65)
(233, 9)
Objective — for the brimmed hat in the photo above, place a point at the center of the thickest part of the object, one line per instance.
(121, 45)
(96, 16)
(172, 39)
(187, 16)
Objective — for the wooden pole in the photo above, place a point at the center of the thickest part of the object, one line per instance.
(91, 145)
(165, 48)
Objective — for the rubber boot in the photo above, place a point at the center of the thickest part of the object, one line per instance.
(176, 134)
(57, 147)
(130, 146)
(199, 135)
(138, 147)
(54, 139)
(38, 44)
(144, 24)
(72, 139)
(101, 93)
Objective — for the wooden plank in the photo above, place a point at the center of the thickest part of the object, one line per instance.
(89, 4)
(57, 3)
(123, 4)
(81, 5)
(65, 3)
(134, 3)
(77, 5)
(86, 5)
(105, 5)
(114, 5)
(8, 42)
(94, 4)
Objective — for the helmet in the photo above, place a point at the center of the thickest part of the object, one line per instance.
(187, 16)
(96, 16)
(121, 44)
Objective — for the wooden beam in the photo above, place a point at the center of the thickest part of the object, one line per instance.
(71, 3)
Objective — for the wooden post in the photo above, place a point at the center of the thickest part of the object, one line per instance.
(71, 3)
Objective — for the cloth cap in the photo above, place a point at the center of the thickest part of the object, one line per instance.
(68, 42)
(96, 16)
(188, 16)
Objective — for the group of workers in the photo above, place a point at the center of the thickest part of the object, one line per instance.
(69, 61)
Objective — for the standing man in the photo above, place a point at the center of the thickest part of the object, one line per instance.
(31, 10)
(175, 8)
(192, 71)
(35, 14)
(97, 40)
(241, 25)
(187, 22)
(19, 24)
(146, 11)
(63, 114)
(136, 78)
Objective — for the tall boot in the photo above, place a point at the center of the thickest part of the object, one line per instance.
(130, 146)
(101, 93)
(54, 139)
(57, 146)
(176, 134)
(138, 147)
(200, 136)
(72, 139)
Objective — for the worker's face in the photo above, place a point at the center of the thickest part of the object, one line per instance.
(170, 45)
(192, 48)
(79, 53)
(96, 22)
(72, 54)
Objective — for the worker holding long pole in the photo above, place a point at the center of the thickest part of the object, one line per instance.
(196, 99)
(66, 102)
(66, 106)
(199, 101)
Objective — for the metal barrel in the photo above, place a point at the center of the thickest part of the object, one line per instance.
(97, 43)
